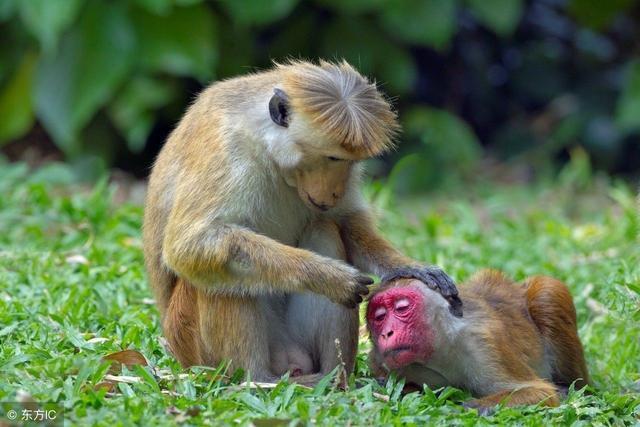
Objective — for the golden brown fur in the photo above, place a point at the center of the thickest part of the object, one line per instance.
(515, 344)
(338, 100)
(551, 308)
(233, 198)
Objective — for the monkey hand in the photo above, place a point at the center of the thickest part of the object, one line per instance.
(342, 284)
(434, 278)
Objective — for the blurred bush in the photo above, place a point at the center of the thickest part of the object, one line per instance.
(105, 81)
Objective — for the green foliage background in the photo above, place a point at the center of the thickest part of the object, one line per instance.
(107, 80)
(73, 290)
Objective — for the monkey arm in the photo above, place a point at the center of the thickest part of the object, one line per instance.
(370, 252)
(230, 258)
(367, 250)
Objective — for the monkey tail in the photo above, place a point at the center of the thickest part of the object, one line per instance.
(551, 308)
(180, 325)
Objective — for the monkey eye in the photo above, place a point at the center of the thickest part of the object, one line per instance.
(379, 314)
(335, 159)
(402, 305)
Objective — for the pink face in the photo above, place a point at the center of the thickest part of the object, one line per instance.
(398, 325)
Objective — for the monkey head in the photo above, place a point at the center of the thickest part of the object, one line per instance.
(406, 320)
(325, 118)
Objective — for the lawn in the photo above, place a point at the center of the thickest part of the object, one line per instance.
(73, 290)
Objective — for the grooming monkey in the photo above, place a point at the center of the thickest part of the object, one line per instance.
(515, 344)
(255, 231)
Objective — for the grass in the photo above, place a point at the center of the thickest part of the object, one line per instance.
(73, 289)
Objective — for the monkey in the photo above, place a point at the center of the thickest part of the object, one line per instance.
(256, 235)
(517, 343)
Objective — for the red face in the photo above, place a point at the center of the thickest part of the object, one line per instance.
(398, 325)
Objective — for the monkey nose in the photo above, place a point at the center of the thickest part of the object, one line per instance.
(386, 335)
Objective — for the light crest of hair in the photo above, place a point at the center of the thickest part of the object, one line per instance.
(343, 104)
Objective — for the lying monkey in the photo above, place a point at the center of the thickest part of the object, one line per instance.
(515, 344)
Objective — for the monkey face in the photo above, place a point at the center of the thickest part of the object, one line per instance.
(399, 324)
(322, 184)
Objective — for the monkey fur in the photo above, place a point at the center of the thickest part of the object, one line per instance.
(516, 344)
(255, 231)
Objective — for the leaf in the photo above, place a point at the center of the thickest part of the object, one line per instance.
(409, 175)
(74, 336)
(182, 43)
(15, 45)
(324, 382)
(133, 110)
(353, 6)
(271, 422)
(425, 22)
(47, 19)
(597, 14)
(147, 377)
(441, 129)
(447, 143)
(7, 9)
(54, 173)
(253, 402)
(236, 46)
(9, 329)
(128, 358)
(258, 12)
(16, 109)
(158, 7)
(502, 16)
(628, 109)
(93, 59)
(108, 386)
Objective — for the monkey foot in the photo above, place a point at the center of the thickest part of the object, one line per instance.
(483, 410)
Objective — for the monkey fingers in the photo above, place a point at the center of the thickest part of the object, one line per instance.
(361, 290)
(435, 279)
(365, 281)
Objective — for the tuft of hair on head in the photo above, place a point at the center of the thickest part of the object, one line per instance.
(343, 104)
(381, 287)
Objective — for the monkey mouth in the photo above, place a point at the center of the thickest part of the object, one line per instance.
(320, 206)
(396, 351)
(400, 356)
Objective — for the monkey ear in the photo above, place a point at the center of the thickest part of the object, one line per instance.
(279, 108)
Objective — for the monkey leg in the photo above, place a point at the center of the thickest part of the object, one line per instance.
(328, 331)
(235, 329)
(180, 325)
(551, 308)
(526, 393)
(200, 331)
(286, 354)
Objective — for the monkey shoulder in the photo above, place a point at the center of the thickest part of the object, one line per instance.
(495, 348)
(237, 91)
(494, 292)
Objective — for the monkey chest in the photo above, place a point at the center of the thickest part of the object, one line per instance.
(280, 217)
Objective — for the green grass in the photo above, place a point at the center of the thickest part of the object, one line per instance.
(73, 289)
